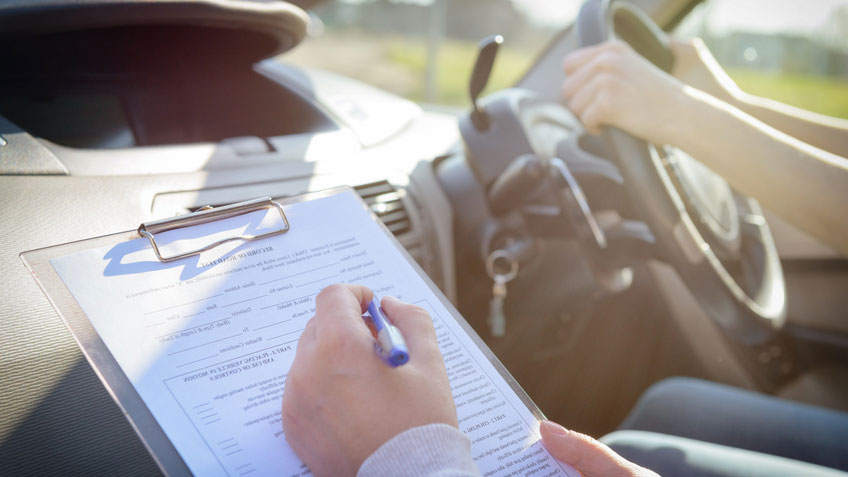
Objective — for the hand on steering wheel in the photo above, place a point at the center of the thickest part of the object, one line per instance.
(610, 84)
(716, 239)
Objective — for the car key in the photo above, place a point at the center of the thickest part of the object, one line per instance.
(497, 317)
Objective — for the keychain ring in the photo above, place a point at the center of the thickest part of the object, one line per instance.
(494, 257)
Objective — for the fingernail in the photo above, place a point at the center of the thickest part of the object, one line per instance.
(554, 428)
(390, 299)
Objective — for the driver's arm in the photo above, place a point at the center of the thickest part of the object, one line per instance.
(610, 84)
(345, 412)
(696, 66)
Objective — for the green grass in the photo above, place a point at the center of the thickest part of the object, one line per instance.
(398, 64)
(454, 64)
(815, 93)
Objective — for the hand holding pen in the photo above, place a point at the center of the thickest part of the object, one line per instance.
(340, 403)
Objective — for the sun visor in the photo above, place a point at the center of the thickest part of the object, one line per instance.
(124, 33)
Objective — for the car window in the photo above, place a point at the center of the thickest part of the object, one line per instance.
(792, 51)
(424, 49)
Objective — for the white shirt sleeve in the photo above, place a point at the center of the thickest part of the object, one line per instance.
(434, 450)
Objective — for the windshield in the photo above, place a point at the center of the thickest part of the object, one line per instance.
(794, 52)
(424, 49)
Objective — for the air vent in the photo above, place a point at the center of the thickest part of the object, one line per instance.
(385, 201)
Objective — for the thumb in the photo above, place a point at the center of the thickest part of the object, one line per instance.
(413, 322)
(590, 457)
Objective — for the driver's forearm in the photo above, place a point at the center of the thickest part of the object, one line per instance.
(823, 132)
(804, 184)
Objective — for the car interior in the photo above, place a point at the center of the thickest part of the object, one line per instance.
(622, 262)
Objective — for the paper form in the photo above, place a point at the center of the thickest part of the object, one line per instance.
(207, 341)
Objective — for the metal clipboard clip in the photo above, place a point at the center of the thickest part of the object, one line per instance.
(210, 214)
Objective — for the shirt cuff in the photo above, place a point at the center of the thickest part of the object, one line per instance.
(431, 450)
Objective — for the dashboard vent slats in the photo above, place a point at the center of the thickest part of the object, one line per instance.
(385, 201)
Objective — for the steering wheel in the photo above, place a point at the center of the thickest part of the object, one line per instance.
(717, 240)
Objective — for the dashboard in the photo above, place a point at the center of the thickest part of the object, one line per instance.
(59, 194)
(96, 143)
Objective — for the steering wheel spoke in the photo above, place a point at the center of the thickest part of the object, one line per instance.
(586, 164)
(630, 241)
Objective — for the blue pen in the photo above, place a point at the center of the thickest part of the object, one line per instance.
(390, 344)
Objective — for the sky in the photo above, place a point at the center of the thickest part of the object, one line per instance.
(752, 15)
(767, 16)
(804, 17)
(549, 12)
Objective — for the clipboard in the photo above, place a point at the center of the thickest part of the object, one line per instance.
(106, 366)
